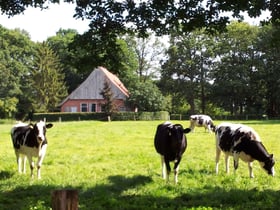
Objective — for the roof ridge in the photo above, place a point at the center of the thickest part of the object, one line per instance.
(114, 79)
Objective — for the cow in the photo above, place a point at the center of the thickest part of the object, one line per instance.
(29, 140)
(241, 141)
(200, 120)
(170, 142)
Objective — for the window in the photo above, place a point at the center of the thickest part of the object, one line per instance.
(93, 108)
(84, 108)
(73, 109)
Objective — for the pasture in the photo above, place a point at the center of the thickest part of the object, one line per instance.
(114, 165)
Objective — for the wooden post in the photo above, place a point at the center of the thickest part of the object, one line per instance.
(65, 199)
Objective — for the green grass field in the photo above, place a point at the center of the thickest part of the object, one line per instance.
(113, 165)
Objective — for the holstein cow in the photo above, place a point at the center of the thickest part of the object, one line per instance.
(30, 141)
(201, 120)
(241, 141)
(170, 142)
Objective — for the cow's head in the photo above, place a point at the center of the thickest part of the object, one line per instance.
(268, 165)
(176, 132)
(40, 130)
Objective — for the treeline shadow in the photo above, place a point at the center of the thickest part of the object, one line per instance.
(113, 196)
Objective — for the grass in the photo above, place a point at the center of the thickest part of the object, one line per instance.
(113, 165)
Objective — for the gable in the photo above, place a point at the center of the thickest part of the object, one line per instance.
(94, 84)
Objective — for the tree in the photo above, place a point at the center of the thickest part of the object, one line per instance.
(162, 17)
(47, 80)
(269, 74)
(185, 73)
(236, 67)
(16, 58)
(107, 94)
(149, 52)
(68, 56)
(145, 96)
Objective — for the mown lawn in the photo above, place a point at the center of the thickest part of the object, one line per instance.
(113, 165)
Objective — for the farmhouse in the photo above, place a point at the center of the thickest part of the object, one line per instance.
(87, 97)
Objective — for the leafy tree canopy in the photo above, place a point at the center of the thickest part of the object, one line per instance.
(160, 16)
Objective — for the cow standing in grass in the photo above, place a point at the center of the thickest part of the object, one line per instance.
(241, 141)
(170, 142)
(200, 120)
(30, 141)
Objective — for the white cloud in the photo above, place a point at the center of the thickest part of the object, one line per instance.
(41, 24)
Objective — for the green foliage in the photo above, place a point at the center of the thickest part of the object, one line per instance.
(185, 74)
(147, 97)
(61, 44)
(100, 116)
(107, 94)
(47, 80)
(114, 165)
(119, 17)
(269, 77)
(16, 58)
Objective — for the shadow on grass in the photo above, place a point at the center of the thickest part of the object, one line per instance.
(114, 196)
(5, 175)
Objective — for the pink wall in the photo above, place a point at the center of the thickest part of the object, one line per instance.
(75, 105)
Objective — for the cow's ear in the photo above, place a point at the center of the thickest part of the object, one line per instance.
(271, 155)
(31, 125)
(187, 130)
(49, 125)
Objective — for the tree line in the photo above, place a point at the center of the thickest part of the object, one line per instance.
(211, 65)
(235, 72)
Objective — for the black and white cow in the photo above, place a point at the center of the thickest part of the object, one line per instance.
(241, 141)
(30, 141)
(200, 120)
(170, 142)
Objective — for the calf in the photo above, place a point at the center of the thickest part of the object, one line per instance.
(241, 141)
(30, 141)
(170, 142)
(202, 121)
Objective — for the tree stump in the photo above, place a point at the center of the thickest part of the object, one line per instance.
(65, 200)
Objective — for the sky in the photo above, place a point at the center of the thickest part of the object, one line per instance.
(41, 24)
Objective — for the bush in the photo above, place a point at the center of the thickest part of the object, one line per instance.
(101, 116)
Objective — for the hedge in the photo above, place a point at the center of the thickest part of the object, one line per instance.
(120, 116)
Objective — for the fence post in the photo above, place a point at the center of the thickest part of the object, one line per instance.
(65, 200)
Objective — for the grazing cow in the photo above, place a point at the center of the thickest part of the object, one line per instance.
(170, 142)
(201, 120)
(241, 141)
(30, 141)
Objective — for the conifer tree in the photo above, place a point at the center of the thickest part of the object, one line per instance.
(47, 80)
(107, 94)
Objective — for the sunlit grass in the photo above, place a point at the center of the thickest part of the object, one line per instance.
(114, 166)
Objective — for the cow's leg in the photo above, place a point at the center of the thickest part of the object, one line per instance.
(19, 163)
(235, 160)
(218, 154)
(163, 168)
(40, 160)
(227, 163)
(192, 125)
(24, 163)
(168, 169)
(31, 164)
(176, 170)
(209, 128)
(250, 166)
